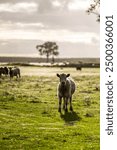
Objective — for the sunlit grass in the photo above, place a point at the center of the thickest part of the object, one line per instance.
(29, 117)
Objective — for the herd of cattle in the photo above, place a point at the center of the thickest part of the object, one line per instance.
(10, 71)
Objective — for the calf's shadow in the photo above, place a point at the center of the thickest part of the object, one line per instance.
(70, 117)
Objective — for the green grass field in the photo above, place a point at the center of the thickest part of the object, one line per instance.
(29, 117)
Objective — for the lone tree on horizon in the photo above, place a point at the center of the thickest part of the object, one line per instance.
(94, 9)
(48, 49)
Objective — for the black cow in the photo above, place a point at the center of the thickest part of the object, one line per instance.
(14, 72)
(4, 71)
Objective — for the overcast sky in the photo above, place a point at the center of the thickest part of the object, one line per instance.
(26, 23)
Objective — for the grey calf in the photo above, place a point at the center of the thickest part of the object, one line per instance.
(66, 88)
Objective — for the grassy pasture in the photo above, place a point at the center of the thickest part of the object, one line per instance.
(29, 117)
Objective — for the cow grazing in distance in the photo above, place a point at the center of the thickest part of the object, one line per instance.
(1, 71)
(14, 72)
(4, 71)
(66, 89)
(79, 68)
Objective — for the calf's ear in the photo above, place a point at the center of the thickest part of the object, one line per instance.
(57, 75)
(68, 75)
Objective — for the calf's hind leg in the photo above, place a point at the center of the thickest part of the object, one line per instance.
(71, 108)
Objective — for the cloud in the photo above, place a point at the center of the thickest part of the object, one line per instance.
(19, 7)
(8, 25)
(62, 21)
(59, 35)
(56, 3)
(78, 5)
(43, 6)
(78, 21)
(3, 43)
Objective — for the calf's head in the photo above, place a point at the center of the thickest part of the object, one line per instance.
(63, 78)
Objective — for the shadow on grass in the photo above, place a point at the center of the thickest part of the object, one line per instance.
(70, 117)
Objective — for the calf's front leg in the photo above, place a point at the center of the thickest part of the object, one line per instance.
(60, 100)
(66, 102)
